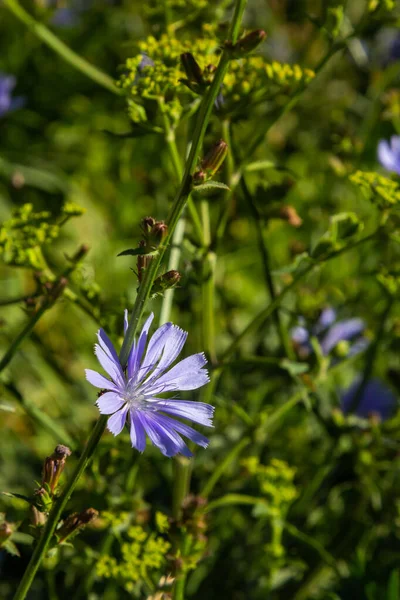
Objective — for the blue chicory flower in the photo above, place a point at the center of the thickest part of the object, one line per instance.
(389, 154)
(133, 395)
(7, 102)
(329, 333)
(376, 398)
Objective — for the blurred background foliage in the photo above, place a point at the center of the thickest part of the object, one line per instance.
(305, 502)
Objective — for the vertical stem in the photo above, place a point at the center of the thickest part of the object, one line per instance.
(371, 356)
(263, 249)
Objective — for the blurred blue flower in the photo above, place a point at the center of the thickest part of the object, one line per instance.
(389, 154)
(7, 102)
(329, 334)
(376, 398)
(133, 395)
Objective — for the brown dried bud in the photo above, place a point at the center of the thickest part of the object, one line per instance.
(38, 518)
(159, 232)
(247, 43)
(5, 531)
(147, 225)
(214, 158)
(54, 466)
(166, 281)
(76, 521)
(192, 69)
(288, 213)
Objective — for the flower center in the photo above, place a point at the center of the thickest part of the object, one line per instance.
(134, 398)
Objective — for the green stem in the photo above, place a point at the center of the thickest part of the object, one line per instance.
(263, 249)
(38, 416)
(262, 316)
(183, 192)
(178, 235)
(221, 468)
(8, 356)
(371, 356)
(57, 510)
(295, 98)
(43, 33)
(182, 469)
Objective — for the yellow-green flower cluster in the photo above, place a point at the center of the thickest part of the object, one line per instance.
(275, 481)
(159, 82)
(381, 190)
(254, 77)
(22, 237)
(154, 76)
(142, 555)
(385, 5)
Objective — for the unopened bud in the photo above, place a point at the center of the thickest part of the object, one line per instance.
(5, 531)
(54, 466)
(80, 253)
(75, 522)
(194, 74)
(211, 162)
(38, 518)
(166, 281)
(147, 225)
(288, 213)
(247, 43)
(158, 232)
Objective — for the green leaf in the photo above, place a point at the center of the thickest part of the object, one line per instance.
(294, 368)
(209, 188)
(135, 252)
(393, 591)
(260, 165)
(11, 548)
(19, 496)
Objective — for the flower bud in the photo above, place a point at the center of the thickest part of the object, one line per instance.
(166, 281)
(147, 225)
(5, 532)
(38, 518)
(54, 466)
(288, 213)
(158, 232)
(193, 72)
(211, 162)
(75, 522)
(247, 43)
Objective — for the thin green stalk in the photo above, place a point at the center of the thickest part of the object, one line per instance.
(295, 98)
(262, 316)
(371, 356)
(183, 192)
(182, 469)
(208, 287)
(177, 238)
(57, 510)
(40, 417)
(46, 304)
(263, 249)
(43, 33)
(221, 468)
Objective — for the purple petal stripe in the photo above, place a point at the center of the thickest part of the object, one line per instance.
(116, 423)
